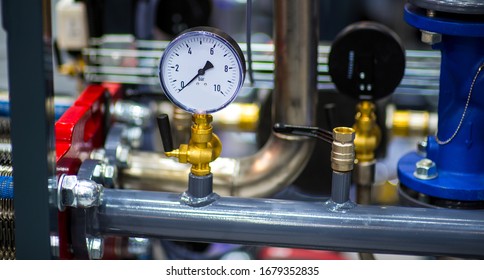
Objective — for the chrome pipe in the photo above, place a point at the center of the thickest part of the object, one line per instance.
(312, 225)
(276, 165)
(282, 159)
(296, 54)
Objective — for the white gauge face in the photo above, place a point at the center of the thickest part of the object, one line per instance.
(201, 71)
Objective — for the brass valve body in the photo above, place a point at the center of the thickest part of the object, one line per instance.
(368, 133)
(204, 146)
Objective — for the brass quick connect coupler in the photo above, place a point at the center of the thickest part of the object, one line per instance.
(343, 149)
(342, 160)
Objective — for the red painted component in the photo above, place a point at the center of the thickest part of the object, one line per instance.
(78, 131)
(115, 248)
(114, 89)
(274, 253)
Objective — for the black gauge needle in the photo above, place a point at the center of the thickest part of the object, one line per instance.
(201, 72)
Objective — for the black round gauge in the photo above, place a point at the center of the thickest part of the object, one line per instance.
(367, 61)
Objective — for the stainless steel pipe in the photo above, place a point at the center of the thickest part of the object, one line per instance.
(282, 158)
(296, 55)
(276, 165)
(293, 224)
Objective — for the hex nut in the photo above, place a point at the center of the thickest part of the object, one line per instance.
(422, 147)
(110, 175)
(99, 154)
(54, 245)
(88, 194)
(138, 246)
(97, 173)
(78, 193)
(425, 169)
(122, 155)
(431, 38)
(67, 187)
(95, 247)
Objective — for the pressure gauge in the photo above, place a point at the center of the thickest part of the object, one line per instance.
(202, 70)
(367, 61)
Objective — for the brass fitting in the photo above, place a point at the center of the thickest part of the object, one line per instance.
(73, 68)
(343, 149)
(368, 133)
(239, 117)
(407, 122)
(204, 146)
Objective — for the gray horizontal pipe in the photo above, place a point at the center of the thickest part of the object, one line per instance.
(293, 224)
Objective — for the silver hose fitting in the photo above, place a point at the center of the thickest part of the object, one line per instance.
(132, 113)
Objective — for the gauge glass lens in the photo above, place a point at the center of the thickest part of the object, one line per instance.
(201, 72)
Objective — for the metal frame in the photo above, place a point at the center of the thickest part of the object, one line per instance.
(32, 123)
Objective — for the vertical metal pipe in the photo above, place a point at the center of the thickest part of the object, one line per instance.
(32, 123)
(296, 55)
(200, 186)
(340, 187)
(364, 179)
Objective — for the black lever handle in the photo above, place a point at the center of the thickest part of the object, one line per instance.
(57, 54)
(165, 132)
(329, 114)
(314, 132)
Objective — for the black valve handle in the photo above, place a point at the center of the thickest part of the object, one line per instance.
(57, 54)
(329, 110)
(314, 132)
(165, 132)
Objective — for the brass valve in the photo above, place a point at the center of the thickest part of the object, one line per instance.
(204, 146)
(341, 139)
(368, 133)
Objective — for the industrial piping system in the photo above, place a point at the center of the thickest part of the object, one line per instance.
(336, 224)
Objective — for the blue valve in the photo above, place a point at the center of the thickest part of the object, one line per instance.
(458, 148)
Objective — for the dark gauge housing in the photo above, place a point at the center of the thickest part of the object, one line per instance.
(367, 61)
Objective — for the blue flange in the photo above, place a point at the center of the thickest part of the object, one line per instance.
(417, 18)
(447, 185)
(460, 162)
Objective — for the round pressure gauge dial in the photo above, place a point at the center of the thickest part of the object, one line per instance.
(202, 70)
